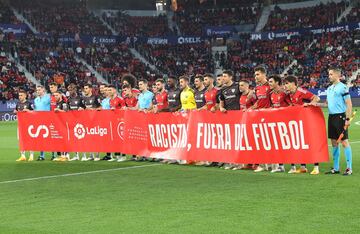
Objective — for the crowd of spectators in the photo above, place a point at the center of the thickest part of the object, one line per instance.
(193, 21)
(318, 16)
(60, 18)
(146, 26)
(210, 4)
(6, 15)
(354, 14)
(338, 48)
(276, 55)
(113, 61)
(176, 60)
(11, 79)
(49, 60)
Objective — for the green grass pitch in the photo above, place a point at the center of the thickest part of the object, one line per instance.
(154, 198)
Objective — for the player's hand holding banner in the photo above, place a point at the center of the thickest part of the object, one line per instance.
(289, 135)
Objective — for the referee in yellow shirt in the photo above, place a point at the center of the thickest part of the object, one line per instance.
(187, 96)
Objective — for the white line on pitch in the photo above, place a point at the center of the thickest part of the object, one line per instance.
(76, 174)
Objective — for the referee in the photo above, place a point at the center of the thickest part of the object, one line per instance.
(340, 109)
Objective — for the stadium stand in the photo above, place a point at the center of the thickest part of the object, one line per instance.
(188, 59)
(6, 15)
(337, 48)
(323, 14)
(11, 79)
(47, 59)
(354, 15)
(192, 21)
(61, 18)
(112, 61)
(138, 26)
(243, 56)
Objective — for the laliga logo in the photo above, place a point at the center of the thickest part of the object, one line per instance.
(79, 131)
(38, 130)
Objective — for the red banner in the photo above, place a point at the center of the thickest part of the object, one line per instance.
(284, 135)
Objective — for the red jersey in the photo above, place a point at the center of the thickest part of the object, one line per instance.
(162, 100)
(133, 91)
(280, 99)
(246, 101)
(52, 102)
(300, 96)
(210, 98)
(117, 102)
(262, 93)
(130, 101)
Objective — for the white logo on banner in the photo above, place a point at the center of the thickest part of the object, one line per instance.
(79, 131)
(38, 130)
(120, 130)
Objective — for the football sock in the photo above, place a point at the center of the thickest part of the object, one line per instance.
(336, 157)
(348, 156)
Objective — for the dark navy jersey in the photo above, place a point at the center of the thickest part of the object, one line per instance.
(174, 99)
(20, 106)
(91, 102)
(75, 103)
(200, 98)
(62, 105)
(230, 95)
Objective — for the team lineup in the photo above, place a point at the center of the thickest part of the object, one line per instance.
(209, 93)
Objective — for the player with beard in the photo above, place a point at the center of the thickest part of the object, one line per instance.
(130, 80)
(229, 99)
(103, 92)
(130, 97)
(300, 97)
(187, 99)
(247, 99)
(116, 103)
(91, 102)
(229, 94)
(61, 106)
(53, 89)
(161, 97)
(75, 103)
(211, 93)
(262, 93)
(173, 95)
(187, 95)
(210, 96)
(199, 91)
(278, 99)
(24, 106)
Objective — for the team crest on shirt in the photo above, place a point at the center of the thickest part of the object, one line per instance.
(233, 90)
(174, 95)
